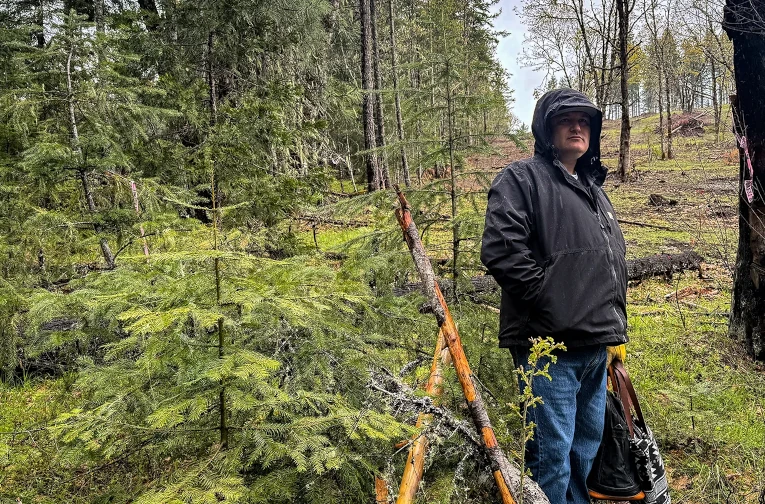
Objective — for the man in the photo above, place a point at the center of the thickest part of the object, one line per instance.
(553, 244)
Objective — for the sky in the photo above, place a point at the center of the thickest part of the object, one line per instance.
(522, 80)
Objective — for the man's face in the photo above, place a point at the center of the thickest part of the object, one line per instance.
(571, 134)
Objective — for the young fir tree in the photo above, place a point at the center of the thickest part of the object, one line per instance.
(232, 318)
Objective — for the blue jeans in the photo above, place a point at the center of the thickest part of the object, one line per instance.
(569, 424)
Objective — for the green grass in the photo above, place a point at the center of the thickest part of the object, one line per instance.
(703, 398)
(27, 447)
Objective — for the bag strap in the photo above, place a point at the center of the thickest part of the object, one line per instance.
(618, 387)
(627, 392)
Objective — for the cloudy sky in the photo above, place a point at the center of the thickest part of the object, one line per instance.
(522, 80)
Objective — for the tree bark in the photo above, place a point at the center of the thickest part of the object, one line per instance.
(75, 140)
(669, 115)
(661, 116)
(747, 317)
(382, 160)
(151, 20)
(623, 10)
(713, 71)
(367, 100)
(211, 88)
(39, 34)
(381, 490)
(98, 14)
(399, 119)
(507, 476)
(453, 174)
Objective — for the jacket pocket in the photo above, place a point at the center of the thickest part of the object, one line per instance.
(576, 295)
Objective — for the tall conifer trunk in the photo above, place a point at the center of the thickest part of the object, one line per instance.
(82, 169)
(382, 160)
(661, 116)
(399, 119)
(216, 221)
(715, 105)
(98, 15)
(39, 33)
(367, 100)
(747, 317)
(453, 172)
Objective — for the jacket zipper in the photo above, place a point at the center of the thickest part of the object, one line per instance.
(594, 201)
(611, 264)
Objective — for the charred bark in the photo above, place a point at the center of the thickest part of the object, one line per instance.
(623, 10)
(747, 317)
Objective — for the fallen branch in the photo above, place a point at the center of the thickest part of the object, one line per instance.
(403, 398)
(415, 460)
(637, 269)
(507, 476)
(346, 195)
(643, 224)
(315, 220)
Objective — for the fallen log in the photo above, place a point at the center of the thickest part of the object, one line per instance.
(507, 476)
(658, 200)
(645, 224)
(664, 265)
(637, 269)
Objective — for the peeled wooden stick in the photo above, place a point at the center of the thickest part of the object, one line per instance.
(415, 461)
(381, 490)
(506, 475)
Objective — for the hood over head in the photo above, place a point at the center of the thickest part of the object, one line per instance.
(555, 102)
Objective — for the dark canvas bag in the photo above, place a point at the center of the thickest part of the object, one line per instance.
(622, 468)
(653, 476)
(614, 473)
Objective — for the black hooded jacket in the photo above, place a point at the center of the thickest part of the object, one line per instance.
(553, 244)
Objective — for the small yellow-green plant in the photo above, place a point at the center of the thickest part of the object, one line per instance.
(542, 351)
